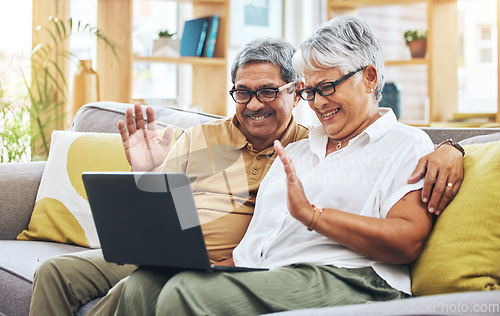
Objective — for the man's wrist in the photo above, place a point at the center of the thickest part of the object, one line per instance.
(452, 143)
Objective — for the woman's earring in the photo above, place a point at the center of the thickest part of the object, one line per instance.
(371, 90)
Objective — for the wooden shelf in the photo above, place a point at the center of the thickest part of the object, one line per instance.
(349, 4)
(370, 3)
(205, 1)
(202, 61)
(465, 116)
(418, 123)
(407, 62)
(200, 1)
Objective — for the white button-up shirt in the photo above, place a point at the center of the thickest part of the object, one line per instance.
(367, 177)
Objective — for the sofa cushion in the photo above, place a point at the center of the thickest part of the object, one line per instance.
(471, 303)
(62, 213)
(18, 262)
(462, 253)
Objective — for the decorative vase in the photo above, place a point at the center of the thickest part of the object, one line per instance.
(418, 48)
(85, 85)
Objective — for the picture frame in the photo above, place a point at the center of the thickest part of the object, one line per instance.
(251, 19)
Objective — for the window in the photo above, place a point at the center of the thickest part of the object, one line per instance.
(15, 45)
(477, 71)
(15, 49)
(485, 44)
(154, 83)
(486, 55)
(485, 32)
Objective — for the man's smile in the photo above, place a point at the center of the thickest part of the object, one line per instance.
(330, 113)
(256, 116)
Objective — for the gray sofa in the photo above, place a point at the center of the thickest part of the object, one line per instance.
(19, 184)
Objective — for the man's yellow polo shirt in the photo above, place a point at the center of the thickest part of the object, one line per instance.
(225, 173)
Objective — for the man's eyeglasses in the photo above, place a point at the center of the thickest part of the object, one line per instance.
(263, 95)
(326, 88)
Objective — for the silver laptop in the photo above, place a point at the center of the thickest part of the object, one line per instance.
(148, 219)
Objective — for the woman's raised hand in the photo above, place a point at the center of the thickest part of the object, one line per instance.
(297, 203)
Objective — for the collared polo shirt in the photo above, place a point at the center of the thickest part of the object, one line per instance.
(225, 173)
(367, 177)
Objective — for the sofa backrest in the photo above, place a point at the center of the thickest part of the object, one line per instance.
(102, 117)
(457, 134)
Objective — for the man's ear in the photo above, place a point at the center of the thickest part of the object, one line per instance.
(296, 97)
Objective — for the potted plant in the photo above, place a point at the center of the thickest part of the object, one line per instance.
(417, 42)
(166, 44)
(165, 33)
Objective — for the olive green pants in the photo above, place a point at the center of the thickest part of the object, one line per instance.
(65, 283)
(153, 292)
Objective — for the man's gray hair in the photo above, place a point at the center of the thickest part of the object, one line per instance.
(271, 50)
(346, 43)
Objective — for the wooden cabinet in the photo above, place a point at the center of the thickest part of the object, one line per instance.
(209, 84)
(441, 61)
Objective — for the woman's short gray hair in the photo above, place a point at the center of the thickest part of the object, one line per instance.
(346, 43)
(271, 50)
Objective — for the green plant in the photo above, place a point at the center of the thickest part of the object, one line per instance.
(14, 131)
(165, 33)
(413, 35)
(48, 89)
(15, 140)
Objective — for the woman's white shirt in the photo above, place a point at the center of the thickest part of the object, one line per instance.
(367, 177)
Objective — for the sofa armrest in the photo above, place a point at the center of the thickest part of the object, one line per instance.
(18, 189)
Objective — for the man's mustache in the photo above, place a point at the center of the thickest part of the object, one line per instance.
(258, 113)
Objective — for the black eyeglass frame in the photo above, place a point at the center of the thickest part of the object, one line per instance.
(333, 83)
(256, 93)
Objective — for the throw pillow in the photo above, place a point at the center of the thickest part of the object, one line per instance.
(462, 252)
(62, 213)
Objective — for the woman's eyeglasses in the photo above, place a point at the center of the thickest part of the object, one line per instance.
(326, 88)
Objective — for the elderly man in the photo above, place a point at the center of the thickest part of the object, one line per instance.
(215, 156)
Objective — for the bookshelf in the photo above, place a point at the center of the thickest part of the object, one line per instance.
(441, 61)
(209, 86)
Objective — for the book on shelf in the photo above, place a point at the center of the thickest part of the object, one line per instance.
(193, 37)
(209, 45)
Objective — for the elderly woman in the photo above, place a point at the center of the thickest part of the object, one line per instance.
(335, 220)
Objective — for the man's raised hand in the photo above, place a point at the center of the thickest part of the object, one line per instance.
(144, 149)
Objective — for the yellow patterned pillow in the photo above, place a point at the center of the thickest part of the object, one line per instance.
(463, 250)
(62, 213)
